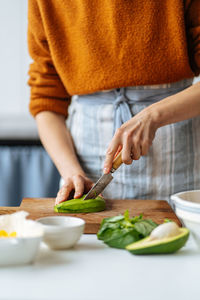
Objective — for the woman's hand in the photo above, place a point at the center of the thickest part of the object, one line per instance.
(134, 138)
(77, 184)
(59, 144)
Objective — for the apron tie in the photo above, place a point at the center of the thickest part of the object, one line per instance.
(122, 111)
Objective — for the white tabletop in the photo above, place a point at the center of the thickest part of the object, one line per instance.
(93, 271)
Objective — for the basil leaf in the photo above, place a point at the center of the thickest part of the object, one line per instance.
(167, 220)
(145, 227)
(109, 223)
(121, 230)
(114, 219)
(136, 219)
(106, 232)
(122, 238)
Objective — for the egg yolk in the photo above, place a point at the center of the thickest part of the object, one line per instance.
(3, 233)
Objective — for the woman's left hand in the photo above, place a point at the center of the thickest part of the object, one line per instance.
(134, 138)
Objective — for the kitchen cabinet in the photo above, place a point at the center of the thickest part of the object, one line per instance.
(26, 171)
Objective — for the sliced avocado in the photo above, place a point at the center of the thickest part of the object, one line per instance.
(81, 206)
(160, 246)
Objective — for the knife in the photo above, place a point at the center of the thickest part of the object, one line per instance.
(105, 179)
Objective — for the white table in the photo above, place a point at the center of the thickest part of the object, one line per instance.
(93, 271)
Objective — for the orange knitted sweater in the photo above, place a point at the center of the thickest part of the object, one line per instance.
(84, 46)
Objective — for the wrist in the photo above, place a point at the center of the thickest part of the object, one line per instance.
(155, 115)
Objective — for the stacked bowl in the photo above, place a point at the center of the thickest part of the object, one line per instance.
(187, 207)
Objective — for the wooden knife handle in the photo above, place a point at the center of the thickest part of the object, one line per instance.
(117, 161)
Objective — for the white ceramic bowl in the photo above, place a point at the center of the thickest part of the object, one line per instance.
(187, 207)
(62, 232)
(18, 251)
(21, 250)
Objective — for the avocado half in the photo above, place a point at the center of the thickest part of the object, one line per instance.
(161, 246)
(81, 206)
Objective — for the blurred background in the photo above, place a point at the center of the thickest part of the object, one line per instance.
(25, 168)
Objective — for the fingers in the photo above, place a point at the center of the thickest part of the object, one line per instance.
(145, 147)
(127, 153)
(111, 152)
(88, 185)
(78, 184)
(64, 192)
(134, 138)
(136, 147)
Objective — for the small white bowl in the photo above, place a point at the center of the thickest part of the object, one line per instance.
(62, 232)
(21, 250)
(187, 207)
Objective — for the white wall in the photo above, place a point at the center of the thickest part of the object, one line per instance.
(15, 119)
(14, 59)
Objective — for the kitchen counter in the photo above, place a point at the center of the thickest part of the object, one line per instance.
(93, 271)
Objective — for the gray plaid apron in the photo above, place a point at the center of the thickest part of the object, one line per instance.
(173, 162)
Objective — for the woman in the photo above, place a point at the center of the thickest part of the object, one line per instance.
(131, 63)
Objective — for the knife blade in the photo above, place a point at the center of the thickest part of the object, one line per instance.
(105, 179)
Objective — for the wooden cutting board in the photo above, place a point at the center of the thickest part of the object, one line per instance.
(157, 210)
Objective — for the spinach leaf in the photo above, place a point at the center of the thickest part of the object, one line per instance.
(120, 231)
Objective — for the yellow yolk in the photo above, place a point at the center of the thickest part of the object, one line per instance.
(3, 233)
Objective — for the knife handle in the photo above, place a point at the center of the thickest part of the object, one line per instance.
(117, 161)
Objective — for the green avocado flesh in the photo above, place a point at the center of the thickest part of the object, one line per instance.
(81, 206)
(161, 246)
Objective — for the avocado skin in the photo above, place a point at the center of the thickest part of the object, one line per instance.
(170, 246)
(81, 206)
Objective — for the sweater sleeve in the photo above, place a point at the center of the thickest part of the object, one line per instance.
(192, 14)
(47, 90)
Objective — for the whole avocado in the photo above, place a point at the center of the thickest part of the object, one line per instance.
(81, 206)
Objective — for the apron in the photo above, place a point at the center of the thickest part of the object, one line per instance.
(173, 162)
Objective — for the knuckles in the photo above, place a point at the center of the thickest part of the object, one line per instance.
(110, 151)
(127, 134)
(127, 161)
(119, 132)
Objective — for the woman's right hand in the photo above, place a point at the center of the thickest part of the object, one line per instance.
(79, 184)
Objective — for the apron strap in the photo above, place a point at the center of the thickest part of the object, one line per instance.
(122, 110)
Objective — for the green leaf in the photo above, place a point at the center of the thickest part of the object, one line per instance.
(111, 223)
(145, 227)
(121, 230)
(114, 219)
(136, 219)
(122, 238)
(126, 215)
(106, 231)
(167, 220)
